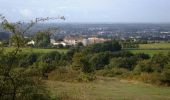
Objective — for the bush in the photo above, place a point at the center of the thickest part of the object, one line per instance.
(43, 67)
(113, 72)
(102, 47)
(28, 59)
(153, 78)
(99, 60)
(50, 57)
(84, 77)
(143, 66)
(142, 56)
(165, 75)
(158, 62)
(63, 74)
(127, 63)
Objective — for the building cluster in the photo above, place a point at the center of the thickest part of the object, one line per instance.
(74, 40)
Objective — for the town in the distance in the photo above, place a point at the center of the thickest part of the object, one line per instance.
(71, 34)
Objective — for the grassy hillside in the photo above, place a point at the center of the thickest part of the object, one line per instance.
(108, 89)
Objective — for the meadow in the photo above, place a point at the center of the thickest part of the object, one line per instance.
(150, 52)
(107, 89)
(155, 46)
(152, 48)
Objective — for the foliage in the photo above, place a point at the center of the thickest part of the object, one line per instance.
(50, 57)
(42, 39)
(19, 83)
(165, 76)
(86, 77)
(127, 63)
(99, 60)
(63, 74)
(102, 47)
(158, 62)
(28, 59)
(143, 66)
(80, 62)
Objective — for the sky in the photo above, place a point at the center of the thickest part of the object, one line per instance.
(89, 11)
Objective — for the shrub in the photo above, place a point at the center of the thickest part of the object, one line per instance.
(153, 78)
(113, 72)
(102, 47)
(165, 75)
(86, 77)
(143, 66)
(127, 63)
(99, 60)
(50, 57)
(158, 62)
(142, 56)
(43, 67)
(28, 59)
(63, 74)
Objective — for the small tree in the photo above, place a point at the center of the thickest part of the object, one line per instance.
(18, 83)
(80, 63)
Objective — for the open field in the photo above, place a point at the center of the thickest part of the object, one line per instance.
(152, 48)
(150, 52)
(37, 50)
(155, 46)
(108, 89)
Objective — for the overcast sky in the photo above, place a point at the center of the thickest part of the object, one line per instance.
(112, 11)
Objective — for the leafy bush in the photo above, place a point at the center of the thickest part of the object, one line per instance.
(86, 77)
(63, 74)
(143, 66)
(81, 63)
(102, 47)
(28, 59)
(99, 60)
(112, 72)
(127, 63)
(50, 57)
(165, 75)
(153, 78)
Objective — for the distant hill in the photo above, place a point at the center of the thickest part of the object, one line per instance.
(4, 36)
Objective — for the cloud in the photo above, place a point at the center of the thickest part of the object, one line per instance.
(26, 13)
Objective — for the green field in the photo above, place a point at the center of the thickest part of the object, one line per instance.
(108, 89)
(150, 52)
(37, 50)
(152, 48)
(155, 46)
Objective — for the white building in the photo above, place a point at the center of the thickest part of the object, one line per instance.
(60, 43)
(73, 40)
(52, 41)
(32, 42)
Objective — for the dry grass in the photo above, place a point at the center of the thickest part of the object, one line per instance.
(107, 89)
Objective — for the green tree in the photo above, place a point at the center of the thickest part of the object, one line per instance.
(99, 60)
(42, 39)
(143, 66)
(80, 63)
(102, 47)
(158, 61)
(165, 75)
(17, 83)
